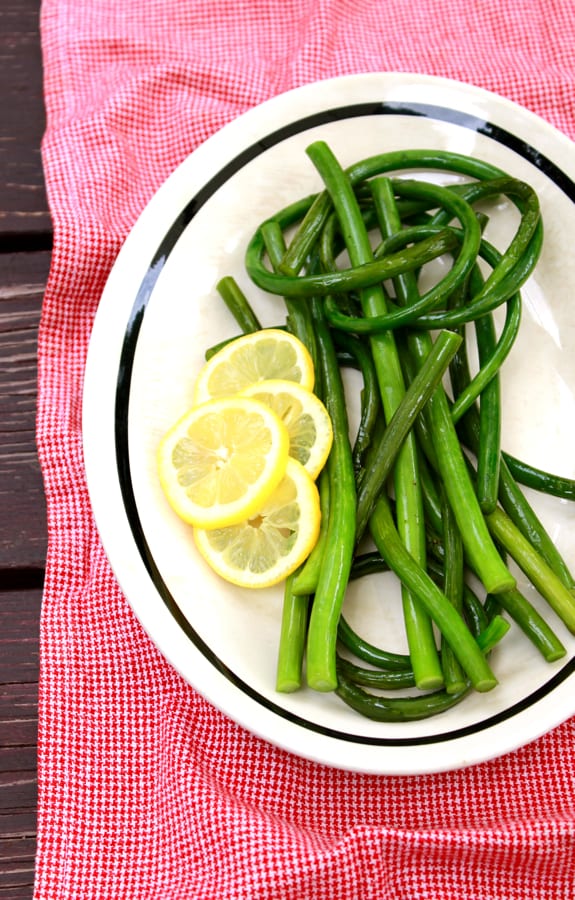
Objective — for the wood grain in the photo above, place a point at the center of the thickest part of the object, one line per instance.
(25, 241)
(19, 618)
(24, 215)
(23, 527)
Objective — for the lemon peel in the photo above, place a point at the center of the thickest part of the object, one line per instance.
(221, 460)
(265, 548)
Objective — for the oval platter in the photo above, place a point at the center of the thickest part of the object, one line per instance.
(160, 311)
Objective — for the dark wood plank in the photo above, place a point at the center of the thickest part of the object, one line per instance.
(18, 789)
(19, 663)
(19, 671)
(17, 855)
(20, 700)
(25, 227)
(19, 715)
(24, 213)
(16, 867)
(19, 849)
(17, 877)
(17, 825)
(23, 524)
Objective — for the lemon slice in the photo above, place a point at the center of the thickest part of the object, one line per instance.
(269, 546)
(222, 460)
(269, 353)
(305, 417)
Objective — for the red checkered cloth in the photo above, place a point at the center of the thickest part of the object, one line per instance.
(146, 790)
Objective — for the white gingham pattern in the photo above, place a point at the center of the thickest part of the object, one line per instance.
(146, 791)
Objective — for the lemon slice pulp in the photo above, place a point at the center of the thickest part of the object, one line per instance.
(262, 355)
(305, 417)
(264, 549)
(222, 460)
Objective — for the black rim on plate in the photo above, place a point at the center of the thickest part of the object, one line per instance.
(125, 372)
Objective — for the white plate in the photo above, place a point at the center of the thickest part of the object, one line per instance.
(158, 314)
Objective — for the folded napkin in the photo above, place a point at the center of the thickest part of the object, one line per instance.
(145, 789)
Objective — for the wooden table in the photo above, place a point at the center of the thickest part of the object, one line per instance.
(25, 242)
